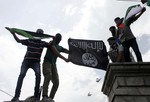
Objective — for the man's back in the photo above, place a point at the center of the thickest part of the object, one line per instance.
(34, 49)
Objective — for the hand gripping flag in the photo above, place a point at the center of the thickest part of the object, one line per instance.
(90, 53)
(28, 34)
(145, 2)
(131, 11)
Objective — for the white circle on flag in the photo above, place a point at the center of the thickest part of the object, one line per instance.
(89, 60)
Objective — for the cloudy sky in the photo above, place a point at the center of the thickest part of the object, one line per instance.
(84, 19)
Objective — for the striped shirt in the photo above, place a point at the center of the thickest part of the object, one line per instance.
(34, 49)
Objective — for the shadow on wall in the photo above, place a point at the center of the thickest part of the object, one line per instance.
(144, 43)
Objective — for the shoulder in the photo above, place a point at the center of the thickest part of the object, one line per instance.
(44, 43)
(52, 43)
(24, 41)
(60, 48)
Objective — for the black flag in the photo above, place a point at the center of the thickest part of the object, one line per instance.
(90, 53)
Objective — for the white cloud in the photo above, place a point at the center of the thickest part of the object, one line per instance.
(94, 3)
(70, 10)
(87, 20)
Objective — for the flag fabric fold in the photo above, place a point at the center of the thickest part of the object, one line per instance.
(90, 53)
(28, 34)
(131, 11)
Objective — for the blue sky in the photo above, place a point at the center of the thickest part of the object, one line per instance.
(84, 19)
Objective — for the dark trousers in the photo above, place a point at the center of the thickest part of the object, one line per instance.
(50, 74)
(133, 44)
(26, 64)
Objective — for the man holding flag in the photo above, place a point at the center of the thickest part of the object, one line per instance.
(31, 60)
(128, 39)
(50, 68)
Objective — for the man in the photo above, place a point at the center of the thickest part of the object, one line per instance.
(127, 38)
(31, 60)
(49, 68)
(116, 49)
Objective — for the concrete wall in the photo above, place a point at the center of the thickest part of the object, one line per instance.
(127, 82)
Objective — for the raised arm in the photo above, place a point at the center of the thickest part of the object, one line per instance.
(14, 35)
(135, 17)
(66, 51)
(53, 48)
(138, 15)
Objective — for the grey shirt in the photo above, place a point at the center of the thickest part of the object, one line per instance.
(127, 34)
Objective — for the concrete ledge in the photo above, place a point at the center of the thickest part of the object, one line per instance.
(131, 99)
(127, 79)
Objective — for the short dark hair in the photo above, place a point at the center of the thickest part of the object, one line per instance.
(58, 35)
(117, 18)
(112, 27)
(57, 38)
(111, 39)
(40, 31)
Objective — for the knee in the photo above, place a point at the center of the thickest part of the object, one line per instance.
(38, 75)
(47, 77)
(56, 83)
(22, 75)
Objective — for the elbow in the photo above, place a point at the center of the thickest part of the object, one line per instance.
(18, 41)
(58, 54)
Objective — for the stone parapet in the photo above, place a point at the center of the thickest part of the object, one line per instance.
(127, 82)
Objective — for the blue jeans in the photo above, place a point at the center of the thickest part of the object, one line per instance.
(133, 44)
(26, 64)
